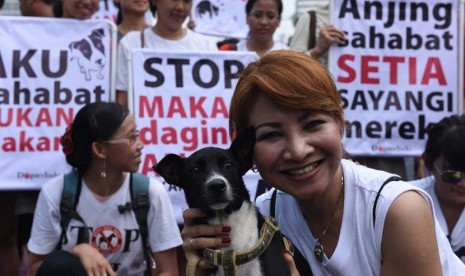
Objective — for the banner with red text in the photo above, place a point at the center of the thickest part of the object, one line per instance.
(224, 18)
(49, 68)
(398, 72)
(181, 104)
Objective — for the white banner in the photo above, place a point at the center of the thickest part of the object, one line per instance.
(49, 68)
(181, 104)
(397, 73)
(225, 18)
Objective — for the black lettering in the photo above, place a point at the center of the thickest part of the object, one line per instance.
(349, 6)
(229, 74)
(62, 64)
(18, 63)
(129, 239)
(215, 72)
(178, 63)
(160, 79)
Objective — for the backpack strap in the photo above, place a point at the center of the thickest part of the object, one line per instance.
(140, 204)
(300, 263)
(142, 39)
(312, 30)
(390, 179)
(69, 200)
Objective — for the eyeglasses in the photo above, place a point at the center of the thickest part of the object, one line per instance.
(128, 141)
(450, 176)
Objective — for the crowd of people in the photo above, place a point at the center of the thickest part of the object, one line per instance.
(338, 213)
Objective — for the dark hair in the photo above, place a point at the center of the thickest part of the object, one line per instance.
(250, 3)
(95, 122)
(58, 8)
(447, 138)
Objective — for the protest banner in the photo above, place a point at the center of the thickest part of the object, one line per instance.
(397, 73)
(223, 18)
(181, 104)
(49, 68)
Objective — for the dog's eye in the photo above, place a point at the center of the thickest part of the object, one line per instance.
(195, 169)
(227, 165)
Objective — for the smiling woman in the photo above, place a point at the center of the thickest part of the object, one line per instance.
(322, 202)
(77, 9)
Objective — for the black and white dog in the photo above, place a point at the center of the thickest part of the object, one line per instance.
(212, 181)
(90, 54)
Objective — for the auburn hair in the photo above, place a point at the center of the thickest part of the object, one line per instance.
(291, 79)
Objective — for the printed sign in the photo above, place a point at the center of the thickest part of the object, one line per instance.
(44, 79)
(224, 18)
(397, 74)
(181, 103)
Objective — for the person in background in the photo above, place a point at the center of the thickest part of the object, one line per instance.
(263, 18)
(131, 16)
(323, 203)
(103, 147)
(168, 33)
(444, 159)
(77, 9)
(316, 42)
(40, 8)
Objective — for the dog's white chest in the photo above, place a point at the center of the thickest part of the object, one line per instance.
(244, 235)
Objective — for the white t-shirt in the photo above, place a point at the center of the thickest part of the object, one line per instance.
(115, 235)
(358, 251)
(190, 42)
(242, 46)
(457, 237)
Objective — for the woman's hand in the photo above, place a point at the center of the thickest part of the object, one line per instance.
(196, 237)
(328, 35)
(93, 261)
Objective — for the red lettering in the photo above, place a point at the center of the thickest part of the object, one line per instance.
(393, 68)
(197, 107)
(43, 117)
(412, 70)
(25, 143)
(433, 70)
(367, 69)
(148, 108)
(219, 108)
(351, 74)
(23, 117)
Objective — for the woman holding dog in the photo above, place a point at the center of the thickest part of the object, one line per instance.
(105, 237)
(444, 159)
(324, 203)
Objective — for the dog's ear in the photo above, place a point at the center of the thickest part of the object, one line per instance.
(242, 147)
(170, 168)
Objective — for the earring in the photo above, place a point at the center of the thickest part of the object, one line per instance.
(103, 173)
(254, 168)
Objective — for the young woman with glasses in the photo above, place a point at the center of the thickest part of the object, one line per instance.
(103, 147)
(444, 158)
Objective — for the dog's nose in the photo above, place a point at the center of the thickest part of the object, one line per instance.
(216, 186)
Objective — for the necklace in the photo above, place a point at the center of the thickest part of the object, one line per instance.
(318, 249)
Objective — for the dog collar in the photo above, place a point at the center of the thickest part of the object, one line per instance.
(230, 259)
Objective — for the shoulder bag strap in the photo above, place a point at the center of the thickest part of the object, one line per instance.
(142, 39)
(390, 179)
(312, 30)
